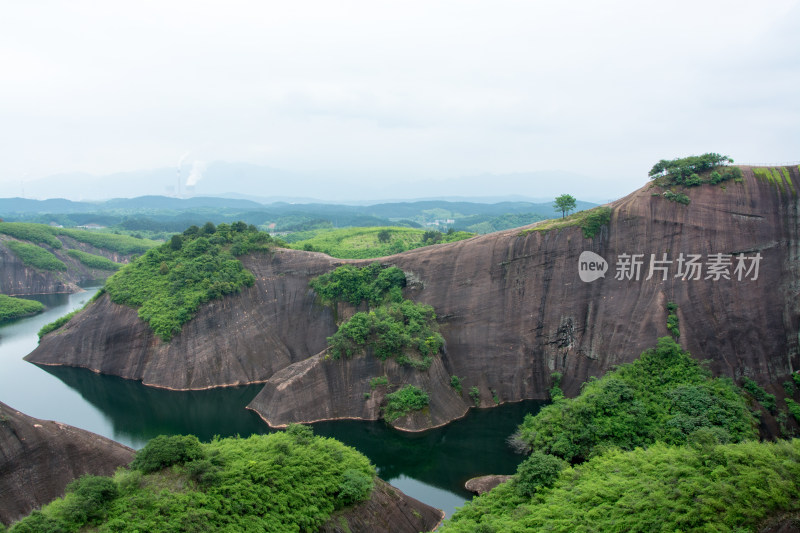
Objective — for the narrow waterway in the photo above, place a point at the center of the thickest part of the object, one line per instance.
(431, 466)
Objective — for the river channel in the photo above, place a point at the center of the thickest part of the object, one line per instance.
(431, 466)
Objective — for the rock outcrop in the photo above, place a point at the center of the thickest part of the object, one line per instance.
(511, 305)
(386, 511)
(482, 484)
(38, 459)
(18, 279)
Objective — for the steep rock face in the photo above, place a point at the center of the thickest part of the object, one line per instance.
(511, 306)
(240, 339)
(386, 511)
(17, 279)
(38, 458)
(291, 395)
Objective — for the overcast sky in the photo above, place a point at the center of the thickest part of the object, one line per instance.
(396, 90)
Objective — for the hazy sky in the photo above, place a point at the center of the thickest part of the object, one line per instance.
(396, 89)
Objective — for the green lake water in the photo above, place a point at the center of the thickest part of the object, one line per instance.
(431, 466)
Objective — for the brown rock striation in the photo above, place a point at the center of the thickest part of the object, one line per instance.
(38, 458)
(482, 484)
(512, 309)
(387, 510)
(18, 279)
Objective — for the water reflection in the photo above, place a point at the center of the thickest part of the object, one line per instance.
(138, 413)
(444, 458)
(431, 466)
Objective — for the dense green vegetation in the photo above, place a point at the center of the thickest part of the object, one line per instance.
(694, 170)
(590, 221)
(57, 323)
(403, 401)
(94, 261)
(35, 256)
(660, 446)
(373, 284)
(665, 395)
(365, 243)
(489, 224)
(159, 217)
(406, 331)
(44, 234)
(702, 487)
(11, 308)
(761, 396)
(673, 323)
(169, 283)
(30, 232)
(282, 482)
(123, 244)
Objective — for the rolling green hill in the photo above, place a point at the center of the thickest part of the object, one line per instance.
(365, 243)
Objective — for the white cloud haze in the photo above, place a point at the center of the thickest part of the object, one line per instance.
(365, 90)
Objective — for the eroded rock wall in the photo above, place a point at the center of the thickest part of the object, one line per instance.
(511, 305)
(38, 459)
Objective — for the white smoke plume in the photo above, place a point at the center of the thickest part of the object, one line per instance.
(182, 159)
(198, 168)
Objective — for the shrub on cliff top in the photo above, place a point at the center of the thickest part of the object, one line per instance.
(168, 285)
(664, 395)
(732, 487)
(286, 481)
(406, 331)
(685, 170)
(373, 284)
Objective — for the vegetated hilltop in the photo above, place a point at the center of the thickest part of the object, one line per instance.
(511, 307)
(654, 445)
(288, 481)
(40, 259)
(365, 243)
(38, 458)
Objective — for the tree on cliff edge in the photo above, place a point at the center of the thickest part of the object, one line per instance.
(564, 203)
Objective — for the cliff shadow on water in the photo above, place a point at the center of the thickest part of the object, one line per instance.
(138, 413)
(444, 457)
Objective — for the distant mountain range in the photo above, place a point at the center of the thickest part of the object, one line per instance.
(267, 184)
(162, 213)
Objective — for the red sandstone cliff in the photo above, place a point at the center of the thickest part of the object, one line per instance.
(511, 305)
(38, 459)
(18, 279)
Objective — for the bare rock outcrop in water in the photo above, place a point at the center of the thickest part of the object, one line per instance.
(511, 305)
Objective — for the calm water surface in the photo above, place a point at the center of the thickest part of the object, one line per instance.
(431, 466)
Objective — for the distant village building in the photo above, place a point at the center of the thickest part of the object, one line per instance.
(91, 225)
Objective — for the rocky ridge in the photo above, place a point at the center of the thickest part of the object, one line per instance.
(511, 305)
(38, 459)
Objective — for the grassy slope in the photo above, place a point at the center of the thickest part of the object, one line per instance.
(288, 481)
(656, 438)
(11, 308)
(363, 243)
